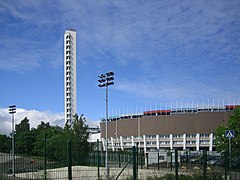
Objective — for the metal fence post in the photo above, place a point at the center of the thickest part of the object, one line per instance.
(92, 159)
(69, 152)
(104, 158)
(176, 164)
(147, 159)
(158, 161)
(187, 160)
(171, 160)
(134, 163)
(119, 159)
(204, 164)
(142, 155)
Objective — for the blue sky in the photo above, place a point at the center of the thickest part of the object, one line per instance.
(161, 52)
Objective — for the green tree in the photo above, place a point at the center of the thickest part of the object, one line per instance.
(23, 126)
(220, 139)
(54, 137)
(24, 138)
(79, 136)
(5, 144)
(57, 147)
(24, 143)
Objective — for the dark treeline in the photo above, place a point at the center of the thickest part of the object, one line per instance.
(32, 141)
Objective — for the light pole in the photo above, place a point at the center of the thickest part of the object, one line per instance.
(106, 80)
(12, 111)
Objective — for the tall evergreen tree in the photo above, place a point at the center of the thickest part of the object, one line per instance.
(5, 144)
(23, 126)
(79, 138)
(24, 138)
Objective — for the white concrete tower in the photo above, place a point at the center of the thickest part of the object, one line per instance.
(70, 70)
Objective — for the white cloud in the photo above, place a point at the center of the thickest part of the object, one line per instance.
(35, 117)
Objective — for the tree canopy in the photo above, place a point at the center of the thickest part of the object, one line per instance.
(222, 142)
(32, 141)
(23, 126)
(5, 144)
(79, 136)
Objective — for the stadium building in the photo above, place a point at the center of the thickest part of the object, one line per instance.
(184, 128)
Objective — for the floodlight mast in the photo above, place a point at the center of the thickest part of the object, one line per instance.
(106, 80)
(12, 111)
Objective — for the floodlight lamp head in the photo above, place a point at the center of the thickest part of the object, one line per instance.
(101, 80)
(110, 78)
(101, 85)
(13, 106)
(110, 73)
(101, 75)
(12, 109)
(110, 83)
(12, 112)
